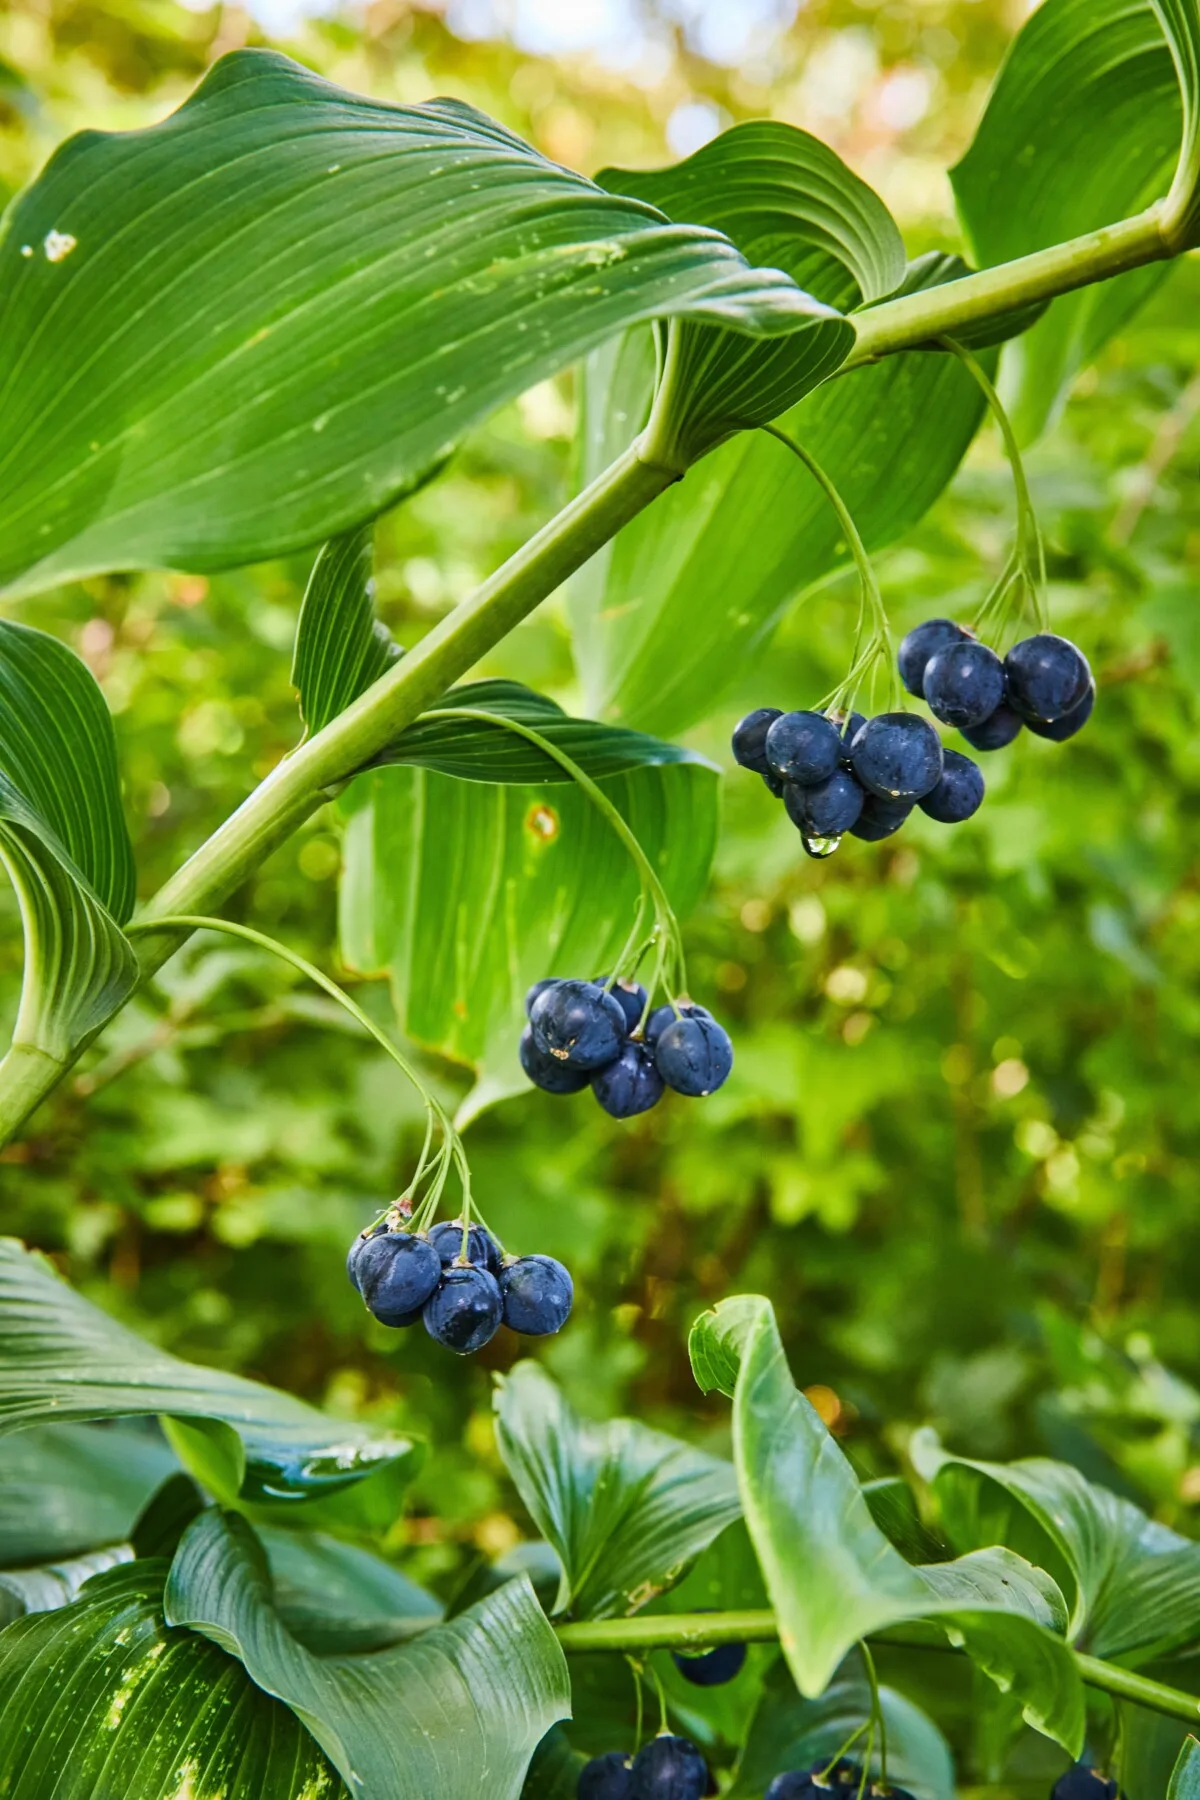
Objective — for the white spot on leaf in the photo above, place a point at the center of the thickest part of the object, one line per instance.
(58, 245)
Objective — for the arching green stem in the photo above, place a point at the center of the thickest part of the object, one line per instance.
(878, 1720)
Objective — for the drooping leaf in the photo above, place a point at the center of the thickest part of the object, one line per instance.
(458, 1710)
(101, 1699)
(341, 647)
(833, 1576)
(334, 1597)
(65, 1489)
(376, 277)
(626, 1508)
(1082, 129)
(61, 1358)
(1185, 1777)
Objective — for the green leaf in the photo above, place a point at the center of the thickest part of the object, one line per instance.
(626, 1508)
(555, 1769)
(1180, 22)
(62, 1358)
(832, 1575)
(1082, 129)
(335, 1597)
(376, 278)
(719, 557)
(65, 1489)
(465, 894)
(725, 1578)
(101, 1699)
(341, 647)
(1185, 1777)
(53, 1585)
(459, 1710)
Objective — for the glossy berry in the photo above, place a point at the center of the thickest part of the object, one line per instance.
(1082, 1783)
(750, 738)
(482, 1249)
(1047, 677)
(919, 645)
(714, 1667)
(545, 1071)
(1070, 723)
(964, 683)
(828, 809)
(396, 1273)
(897, 756)
(804, 747)
(662, 1016)
(358, 1247)
(668, 1768)
(879, 819)
(629, 1086)
(997, 730)
(694, 1056)
(537, 1293)
(539, 987)
(630, 996)
(465, 1311)
(577, 1023)
(605, 1778)
(793, 1784)
(958, 794)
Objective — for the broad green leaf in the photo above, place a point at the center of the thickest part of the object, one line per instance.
(465, 894)
(375, 278)
(719, 557)
(1082, 129)
(341, 647)
(787, 200)
(101, 1699)
(61, 1358)
(790, 1732)
(333, 1596)
(833, 1576)
(459, 1710)
(626, 1508)
(52, 1585)
(1185, 1777)
(1180, 22)
(65, 1489)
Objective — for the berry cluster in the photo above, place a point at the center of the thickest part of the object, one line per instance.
(462, 1300)
(1043, 684)
(667, 1768)
(602, 1034)
(1084, 1783)
(842, 1779)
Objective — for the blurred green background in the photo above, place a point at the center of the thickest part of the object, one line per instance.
(959, 1146)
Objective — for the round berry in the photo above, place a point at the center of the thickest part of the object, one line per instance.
(662, 1016)
(879, 819)
(693, 1055)
(605, 1778)
(1047, 677)
(668, 1768)
(465, 1311)
(964, 683)
(997, 730)
(919, 645)
(358, 1246)
(897, 756)
(545, 1072)
(958, 794)
(577, 1023)
(826, 810)
(713, 1668)
(539, 987)
(537, 1293)
(750, 738)
(1070, 723)
(631, 1085)
(804, 747)
(1082, 1783)
(482, 1249)
(396, 1274)
(794, 1784)
(630, 996)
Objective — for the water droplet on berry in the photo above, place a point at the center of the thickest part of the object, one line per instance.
(819, 847)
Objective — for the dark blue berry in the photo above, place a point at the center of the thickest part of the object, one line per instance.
(482, 1249)
(1070, 723)
(466, 1309)
(358, 1246)
(631, 1085)
(396, 1274)
(713, 1668)
(750, 738)
(958, 794)
(964, 683)
(662, 1016)
(1082, 1783)
(794, 1784)
(577, 1023)
(668, 1768)
(897, 756)
(804, 747)
(545, 1071)
(919, 645)
(828, 809)
(605, 1778)
(537, 1293)
(879, 819)
(693, 1055)
(630, 996)
(539, 987)
(997, 730)
(1047, 677)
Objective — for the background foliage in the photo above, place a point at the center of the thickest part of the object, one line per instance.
(959, 1145)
